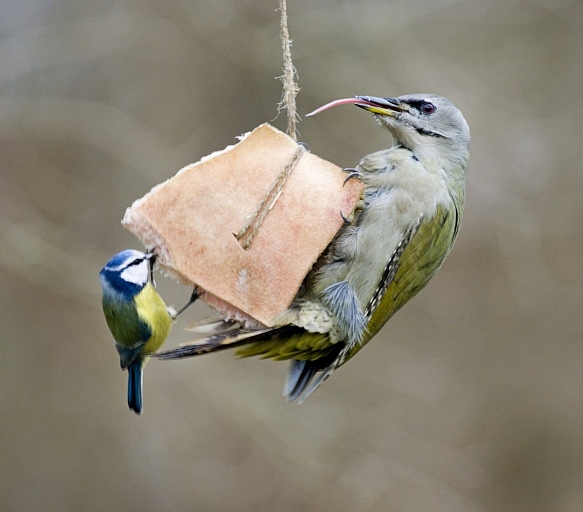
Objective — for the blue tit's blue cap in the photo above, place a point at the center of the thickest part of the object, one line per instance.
(121, 259)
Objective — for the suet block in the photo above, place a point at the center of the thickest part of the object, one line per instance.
(193, 220)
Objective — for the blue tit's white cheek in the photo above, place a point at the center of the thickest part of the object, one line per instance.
(137, 274)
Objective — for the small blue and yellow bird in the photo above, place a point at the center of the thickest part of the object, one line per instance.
(136, 315)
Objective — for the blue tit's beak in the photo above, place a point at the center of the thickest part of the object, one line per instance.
(151, 257)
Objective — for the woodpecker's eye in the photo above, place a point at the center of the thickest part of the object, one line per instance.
(427, 108)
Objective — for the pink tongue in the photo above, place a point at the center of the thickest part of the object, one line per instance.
(335, 103)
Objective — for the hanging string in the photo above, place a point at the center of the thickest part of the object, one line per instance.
(247, 233)
(290, 87)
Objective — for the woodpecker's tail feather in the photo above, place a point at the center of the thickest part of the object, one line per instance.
(303, 377)
(222, 341)
(307, 390)
(308, 370)
(299, 375)
(212, 325)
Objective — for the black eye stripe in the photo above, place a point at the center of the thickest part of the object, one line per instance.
(416, 103)
(424, 107)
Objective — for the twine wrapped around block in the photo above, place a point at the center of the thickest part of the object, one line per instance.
(252, 226)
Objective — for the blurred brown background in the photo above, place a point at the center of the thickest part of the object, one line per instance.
(471, 398)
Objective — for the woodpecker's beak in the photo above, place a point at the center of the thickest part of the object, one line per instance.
(381, 106)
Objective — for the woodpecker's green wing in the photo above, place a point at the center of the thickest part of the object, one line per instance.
(420, 259)
(128, 355)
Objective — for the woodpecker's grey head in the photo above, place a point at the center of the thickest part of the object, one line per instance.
(431, 126)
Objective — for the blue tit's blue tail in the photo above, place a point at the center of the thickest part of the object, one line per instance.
(135, 386)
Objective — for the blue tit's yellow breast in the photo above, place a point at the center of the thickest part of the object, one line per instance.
(152, 310)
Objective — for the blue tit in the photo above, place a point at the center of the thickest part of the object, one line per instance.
(136, 315)
(410, 217)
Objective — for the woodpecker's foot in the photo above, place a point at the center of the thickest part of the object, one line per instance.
(352, 173)
(304, 145)
(192, 299)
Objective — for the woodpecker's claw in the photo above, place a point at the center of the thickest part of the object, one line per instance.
(345, 218)
(352, 173)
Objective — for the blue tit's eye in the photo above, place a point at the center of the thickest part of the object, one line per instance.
(427, 108)
(136, 262)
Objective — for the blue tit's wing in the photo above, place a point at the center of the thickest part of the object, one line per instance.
(129, 354)
(124, 322)
(130, 332)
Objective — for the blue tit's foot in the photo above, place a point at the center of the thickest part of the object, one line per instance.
(195, 295)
